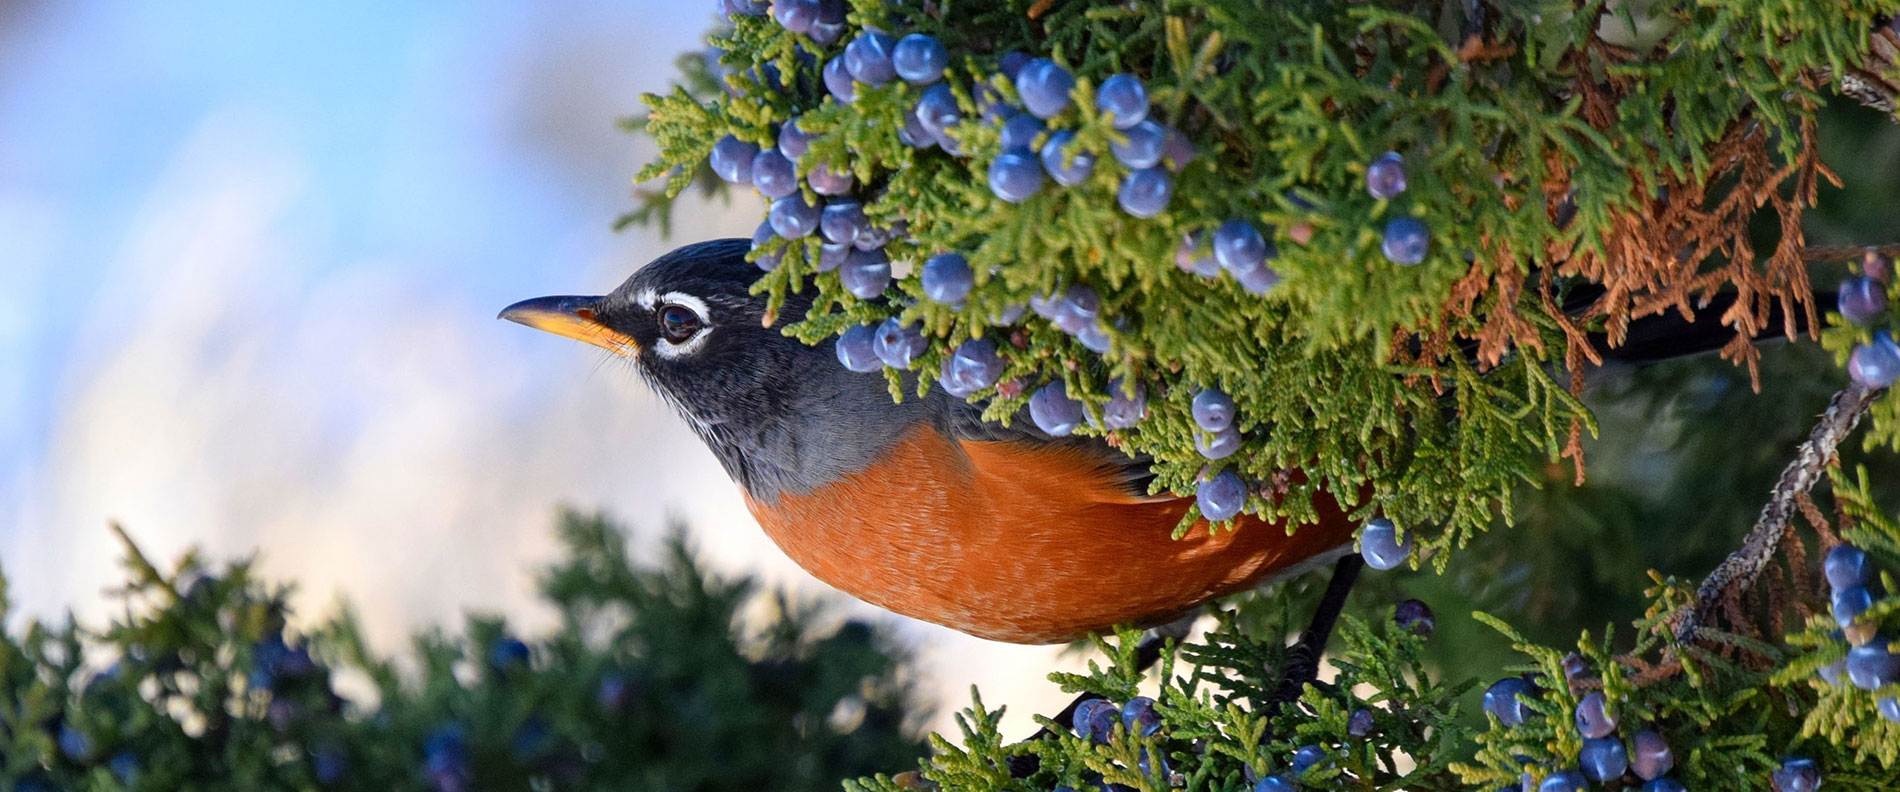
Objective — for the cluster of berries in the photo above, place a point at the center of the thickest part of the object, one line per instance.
(1863, 299)
(1305, 758)
(1870, 663)
(1096, 720)
(1604, 758)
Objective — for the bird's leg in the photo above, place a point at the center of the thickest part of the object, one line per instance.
(1302, 661)
(1146, 653)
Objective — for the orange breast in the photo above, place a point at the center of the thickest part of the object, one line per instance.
(1020, 544)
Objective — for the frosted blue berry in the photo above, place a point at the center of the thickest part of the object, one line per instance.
(1008, 315)
(826, 181)
(920, 59)
(1194, 256)
(1862, 299)
(124, 766)
(973, 367)
(830, 24)
(1258, 279)
(1213, 410)
(1053, 411)
(1091, 716)
(1870, 666)
(857, 349)
(1044, 87)
(1380, 545)
(74, 744)
(1019, 133)
(774, 174)
(865, 273)
(1849, 603)
(937, 109)
(1832, 672)
(842, 221)
(1846, 565)
(1217, 445)
(1603, 759)
(1238, 245)
(793, 217)
(760, 236)
(1221, 497)
(793, 141)
(1306, 758)
(1123, 99)
(875, 236)
(1889, 708)
(832, 255)
(1566, 781)
(1797, 774)
(507, 654)
(738, 8)
(1095, 338)
(897, 344)
(1146, 192)
(1274, 783)
(732, 159)
(1066, 165)
(1575, 667)
(1140, 146)
(1664, 785)
(1593, 716)
(795, 15)
(868, 58)
(1385, 177)
(1012, 63)
(1875, 364)
(914, 134)
(947, 278)
(1415, 617)
(1077, 308)
(1177, 150)
(1506, 700)
(1124, 410)
(838, 81)
(1406, 241)
(1153, 765)
(1139, 716)
(1359, 723)
(1014, 177)
(1650, 756)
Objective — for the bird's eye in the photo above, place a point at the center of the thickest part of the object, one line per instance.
(678, 323)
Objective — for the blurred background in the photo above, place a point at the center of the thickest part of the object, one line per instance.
(250, 258)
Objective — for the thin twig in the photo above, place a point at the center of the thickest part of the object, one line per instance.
(1738, 572)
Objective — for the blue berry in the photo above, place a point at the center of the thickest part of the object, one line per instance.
(1123, 98)
(1603, 759)
(1889, 708)
(1238, 245)
(920, 59)
(1146, 192)
(1095, 338)
(1177, 150)
(1846, 565)
(1068, 168)
(774, 174)
(1258, 279)
(125, 767)
(1020, 132)
(1014, 177)
(615, 693)
(898, 344)
(737, 8)
(973, 367)
(507, 654)
(732, 159)
(1566, 781)
(832, 255)
(830, 24)
(868, 58)
(873, 237)
(1506, 697)
(1849, 603)
(1140, 145)
(1012, 63)
(865, 273)
(1797, 774)
(1053, 411)
(1862, 299)
(1575, 667)
(1664, 785)
(1217, 445)
(1008, 315)
(826, 181)
(74, 744)
(1406, 241)
(1306, 757)
(1415, 617)
(1276, 783)
(1871, 666)
(1095, 720)
(1832, 672)
(1124, 410)
(1593, 716)
(1380, 545)
(947, 278)
(1875, 364)
(793, 141)
(1385, 177)
(838, 81)
(913, 133)
(1139, 716)
(1213, 410)
(1221, 497)
(1650, 756)
(1359, 723)
(793, 217)
(1153, 764)
(760, 236)
(445, 758)
(857, 349)
(795, 15)
(842, 221)
(1194, 256)
(1044, 87)
(937, 109)
(1077, 308)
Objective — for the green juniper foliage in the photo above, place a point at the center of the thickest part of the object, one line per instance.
(654, 680)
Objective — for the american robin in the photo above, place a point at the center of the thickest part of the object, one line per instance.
(919, 507)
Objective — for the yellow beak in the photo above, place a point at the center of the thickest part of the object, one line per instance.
(574, 318)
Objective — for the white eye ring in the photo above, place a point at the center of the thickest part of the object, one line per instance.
(670, 350)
